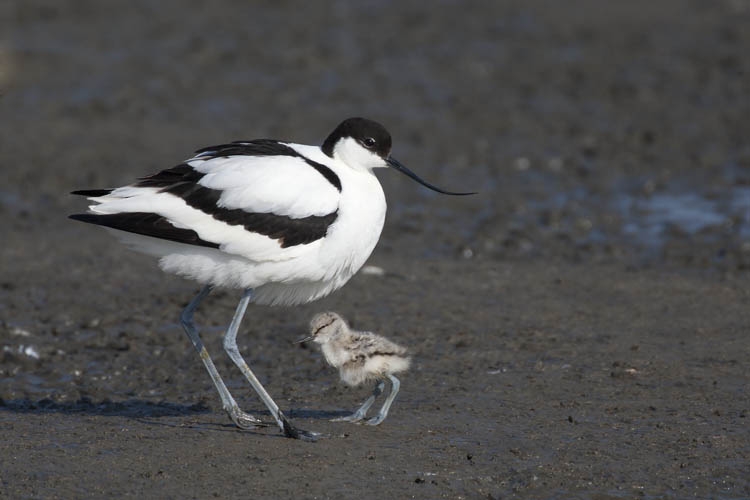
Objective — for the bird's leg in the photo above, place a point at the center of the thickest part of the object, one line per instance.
(362, 411)
(230, 346)
(240, 418)
(395, 385)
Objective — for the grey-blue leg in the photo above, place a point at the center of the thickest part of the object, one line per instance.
(239, 417)
(362, 411)
(230, 346)
(395, 385)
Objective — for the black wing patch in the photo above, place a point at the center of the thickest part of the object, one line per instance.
(258, 147)
(147, 224)
(287, 230)
(266, 147)
(182, 181)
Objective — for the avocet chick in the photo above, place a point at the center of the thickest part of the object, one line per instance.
(360, 357)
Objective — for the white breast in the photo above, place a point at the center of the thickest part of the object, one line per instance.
(333, 260)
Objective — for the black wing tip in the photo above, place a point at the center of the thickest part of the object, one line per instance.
(90, 218)
(145, 224)
(96, 219)
(92, 193)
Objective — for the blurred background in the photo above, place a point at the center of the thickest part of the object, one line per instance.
(580, 324)
(593, 130)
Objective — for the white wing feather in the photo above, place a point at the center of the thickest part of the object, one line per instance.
(283, 185)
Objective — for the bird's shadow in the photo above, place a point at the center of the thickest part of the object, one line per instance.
(133, 408)
(141, 410)
(317, 414)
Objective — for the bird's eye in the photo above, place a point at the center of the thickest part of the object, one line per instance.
(368, 142)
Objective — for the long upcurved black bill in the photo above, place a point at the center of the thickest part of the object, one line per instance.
(392, 162)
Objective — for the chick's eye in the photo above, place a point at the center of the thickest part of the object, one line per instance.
(368, 142)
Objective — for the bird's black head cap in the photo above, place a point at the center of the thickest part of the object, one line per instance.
(369, 134)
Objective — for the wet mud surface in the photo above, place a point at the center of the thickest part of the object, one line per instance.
(579, 329)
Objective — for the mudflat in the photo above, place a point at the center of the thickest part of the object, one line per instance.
(579, 329)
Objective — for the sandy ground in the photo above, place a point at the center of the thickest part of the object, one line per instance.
(579, 328)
